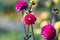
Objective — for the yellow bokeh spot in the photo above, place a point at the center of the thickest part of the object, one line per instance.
(44, 15)
(47, 4)
(38, 20)
(59, 36)
(37, 31)
(56, 2)
(43, 23)
(57, 25)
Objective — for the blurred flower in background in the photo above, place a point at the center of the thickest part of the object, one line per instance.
(57, 25)
(44, 15)
(21, 5)
(56, 2)
(47, 4)
(59, 36)
(39, 19)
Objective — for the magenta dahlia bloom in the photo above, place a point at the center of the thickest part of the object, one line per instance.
(21, 5)
(29, 19)
(48, 32)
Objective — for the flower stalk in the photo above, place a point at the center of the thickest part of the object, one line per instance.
(33, 32)
(25, 32)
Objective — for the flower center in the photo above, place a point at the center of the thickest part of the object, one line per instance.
(29, 18)
(22, 7)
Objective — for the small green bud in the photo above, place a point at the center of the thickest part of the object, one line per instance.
(32, 2)
(29, 11)
(56, 11)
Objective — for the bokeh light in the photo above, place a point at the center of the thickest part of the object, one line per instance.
(47, 4)
(44, 15)
(57, 25)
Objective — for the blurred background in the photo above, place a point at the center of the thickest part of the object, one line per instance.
(11, 27)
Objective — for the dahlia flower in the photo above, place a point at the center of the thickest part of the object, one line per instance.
(29, 19)
(48, 32)
(21, 5)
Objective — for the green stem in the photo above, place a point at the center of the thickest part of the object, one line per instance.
(25, 34)
(32, 32)
(28, 33)
(51, 17)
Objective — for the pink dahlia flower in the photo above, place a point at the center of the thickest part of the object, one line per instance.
(48, 32)
(29, 19)
(21, 5)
